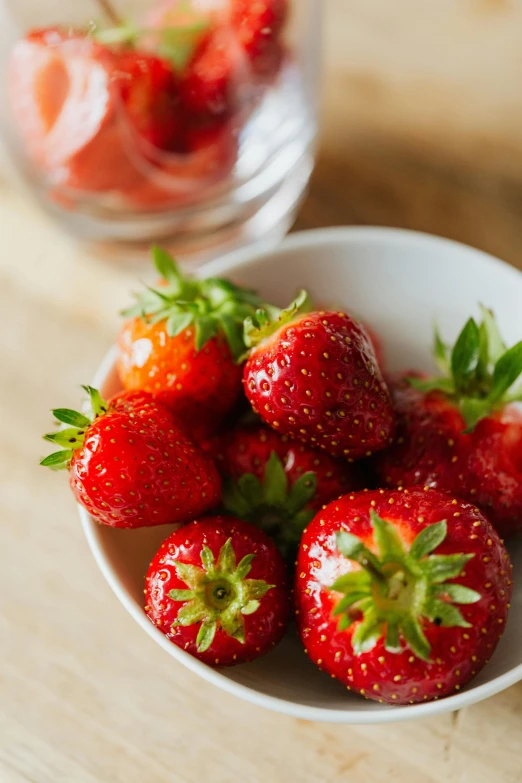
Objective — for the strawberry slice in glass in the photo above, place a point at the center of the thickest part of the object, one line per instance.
(65, 107)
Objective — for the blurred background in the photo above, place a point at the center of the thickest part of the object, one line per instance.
(421, 119)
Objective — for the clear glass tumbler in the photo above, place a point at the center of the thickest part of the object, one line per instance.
(186, 121)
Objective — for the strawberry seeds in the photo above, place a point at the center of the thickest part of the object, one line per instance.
(275, 441)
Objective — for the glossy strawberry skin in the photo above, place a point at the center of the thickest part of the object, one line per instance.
(172, 369)
(136, 468)
(376, 344)
(247, 449)
(457, 653)
(483, 467)
(317, 380)
(263, 629)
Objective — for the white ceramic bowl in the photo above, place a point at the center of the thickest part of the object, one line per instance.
(400, 282)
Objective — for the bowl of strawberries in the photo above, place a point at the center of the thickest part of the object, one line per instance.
(301, 490)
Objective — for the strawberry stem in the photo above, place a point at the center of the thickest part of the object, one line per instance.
(213, 306)
(267, 321)
(110, 12)
(272, 504)
(72, 438)
(399, 591)
(218, 595)
(478, 372)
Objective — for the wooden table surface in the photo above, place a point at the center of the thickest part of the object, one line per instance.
(85, 696)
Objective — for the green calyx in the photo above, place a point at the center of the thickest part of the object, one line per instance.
(267, 320)
(219, 595)
(272, 504)
(175, 43)
(212, 306)
(72, 437)
(398, 591)
(478, 372)
(178, 44)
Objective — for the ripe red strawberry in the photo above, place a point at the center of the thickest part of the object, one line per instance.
(130, 465)
(459, 432)
(235, 54)
(259, 24)
(148, 88)
(217, 589)
(277, 483)
(205, 50)
(210, 82)
(379, 578)
(216, 144)
(314, 377)
(184, 342)
(376, 344)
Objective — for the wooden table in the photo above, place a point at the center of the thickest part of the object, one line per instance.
(85, 696)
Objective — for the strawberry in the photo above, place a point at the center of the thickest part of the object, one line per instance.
(74, 101)
(314, 377)
(258, 24)
(148, 89)
(232, 58)
(207, 154)
(276, 483)
(459, 432)
(63, 105)
(183, 343)
(130, 465)
(210, 82)
(217, 589)
(217, 143)
(199, 41)
(402, 596)
(376, 344)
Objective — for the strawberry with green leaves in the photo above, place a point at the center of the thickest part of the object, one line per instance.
(276, 483)
(461, 431)
(314, 376)
(217, 589)
(183, 341)
(130, 464)
(402, 595)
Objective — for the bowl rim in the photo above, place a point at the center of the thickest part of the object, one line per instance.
(388, 713)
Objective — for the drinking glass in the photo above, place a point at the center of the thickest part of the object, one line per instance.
(191, 122)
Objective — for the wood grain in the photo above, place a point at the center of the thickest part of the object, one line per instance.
(422, 128)
(422, 120)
